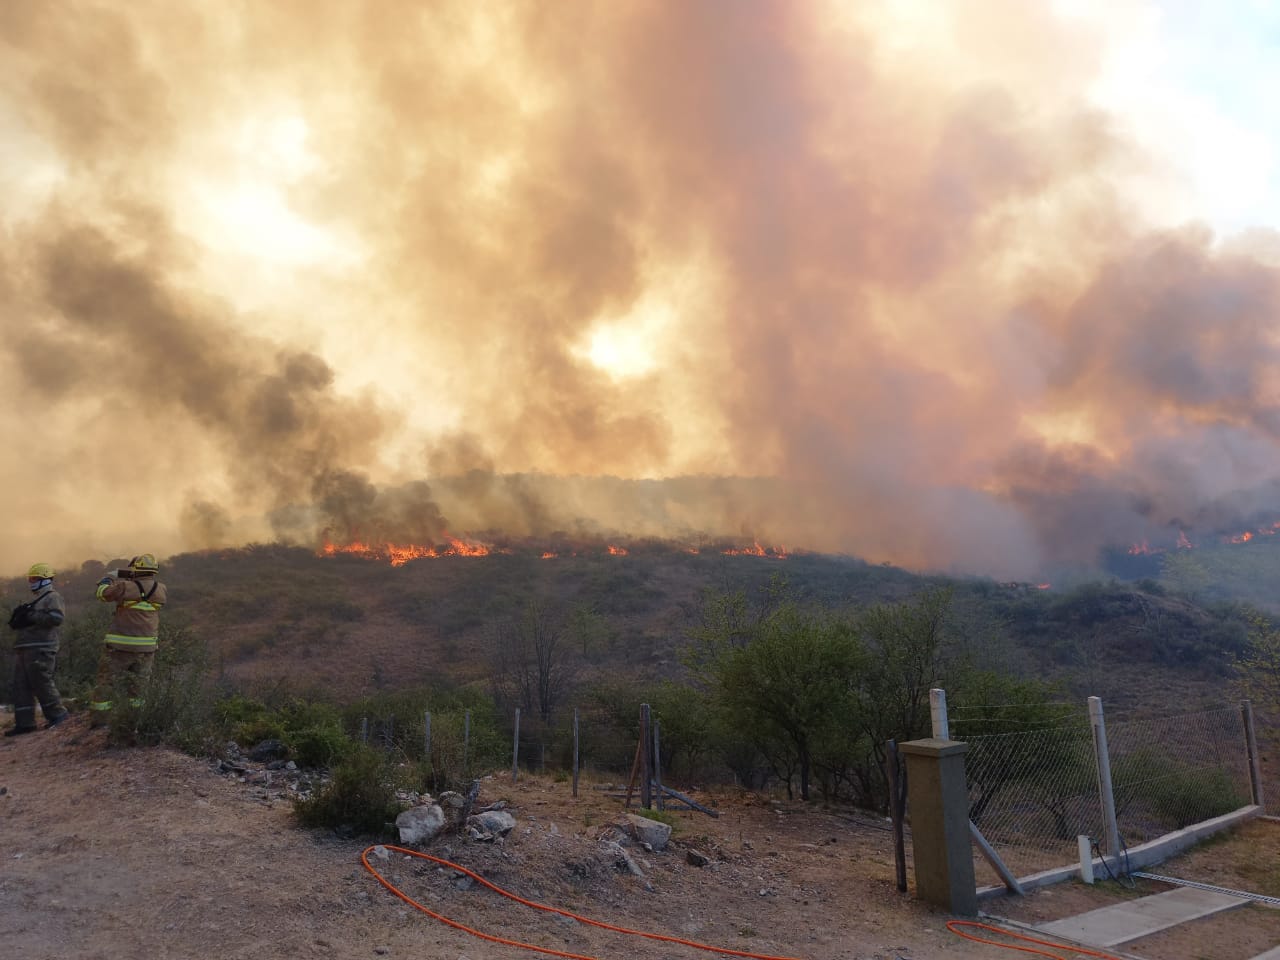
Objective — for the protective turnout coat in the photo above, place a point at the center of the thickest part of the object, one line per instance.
(136, 624)
(44, 615)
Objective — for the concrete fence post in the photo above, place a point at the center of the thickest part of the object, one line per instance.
(938, 713)
(940, 824)
(1251, 744)
(1102, 758)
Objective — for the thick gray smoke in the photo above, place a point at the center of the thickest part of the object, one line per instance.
(400, 271)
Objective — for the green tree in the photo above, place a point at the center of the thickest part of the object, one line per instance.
(786, 683)
(907, 655)
(1257, 669)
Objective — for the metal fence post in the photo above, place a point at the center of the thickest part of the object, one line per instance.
(938, 713)
(426, 736)
(1251, 743)
(1103, 760)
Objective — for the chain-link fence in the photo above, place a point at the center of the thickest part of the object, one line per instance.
(1172, 772)
(1033, 793)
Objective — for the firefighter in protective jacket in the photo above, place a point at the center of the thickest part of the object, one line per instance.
(131, 639)
(35, 649)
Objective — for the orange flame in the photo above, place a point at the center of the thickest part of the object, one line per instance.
(398, 554)
(617, 551)
(1042, 586)
(755, 550)
(1143, 549)
(1183, 542)
(549, 555)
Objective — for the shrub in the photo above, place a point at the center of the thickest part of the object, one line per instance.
(177, 704)
(361, 797)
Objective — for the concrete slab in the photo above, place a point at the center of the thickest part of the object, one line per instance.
(1122, 922)
(1272, 954)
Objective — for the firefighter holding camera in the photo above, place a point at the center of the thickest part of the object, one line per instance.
(132, 638)
(35, 648)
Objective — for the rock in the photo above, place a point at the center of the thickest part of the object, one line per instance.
(649, 832)
(452, 799)
(419, 824)
(622, 860)
(697, 858)
(382, 853)
(495, 823)
(268, 750)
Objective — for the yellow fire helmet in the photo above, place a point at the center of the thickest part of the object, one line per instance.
(40, 571)
(144, 563)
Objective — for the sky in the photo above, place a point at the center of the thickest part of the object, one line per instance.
(982, 287)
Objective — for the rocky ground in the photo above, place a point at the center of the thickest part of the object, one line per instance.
(121, 853)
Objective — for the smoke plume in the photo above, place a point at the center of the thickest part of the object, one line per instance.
(397, 271)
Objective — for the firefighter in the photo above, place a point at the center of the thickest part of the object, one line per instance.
(36, 653)
(131, 639)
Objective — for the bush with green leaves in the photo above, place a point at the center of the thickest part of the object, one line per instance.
(467, 734)
(177, 702)
(360, 797)
(311, 730)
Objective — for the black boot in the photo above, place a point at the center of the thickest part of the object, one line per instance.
(18, 731)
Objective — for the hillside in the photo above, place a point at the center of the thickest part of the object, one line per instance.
(350, 626)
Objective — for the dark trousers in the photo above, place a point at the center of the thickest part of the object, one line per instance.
(33, 682)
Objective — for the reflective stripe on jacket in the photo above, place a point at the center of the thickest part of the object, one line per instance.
(136, 624)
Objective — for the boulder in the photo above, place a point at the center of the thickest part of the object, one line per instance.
(649, 832)
(420, 824)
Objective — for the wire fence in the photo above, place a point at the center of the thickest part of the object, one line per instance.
(455, 745)
(1172, 772)
(1033, 793)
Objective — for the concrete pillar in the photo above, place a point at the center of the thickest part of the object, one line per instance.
(939, 803)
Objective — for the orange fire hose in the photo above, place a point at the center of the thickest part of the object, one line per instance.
(364, 858)
(953, 926)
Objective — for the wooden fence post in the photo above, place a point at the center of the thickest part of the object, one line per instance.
(575, 751)
(515, 749)
(897, 797)
(646, 760)
(657, 764)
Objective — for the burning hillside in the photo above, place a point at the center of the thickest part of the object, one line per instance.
(398, 554)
